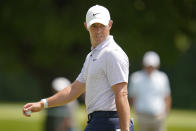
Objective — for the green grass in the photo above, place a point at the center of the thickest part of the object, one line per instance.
(180, 120)
(11, 118)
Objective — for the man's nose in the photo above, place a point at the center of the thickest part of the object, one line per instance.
(98, 29)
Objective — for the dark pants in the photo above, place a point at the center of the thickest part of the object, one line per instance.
(105, 121)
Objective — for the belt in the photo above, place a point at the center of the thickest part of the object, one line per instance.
(103, 114)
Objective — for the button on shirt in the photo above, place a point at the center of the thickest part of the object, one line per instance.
(149, 91)
(105, 66)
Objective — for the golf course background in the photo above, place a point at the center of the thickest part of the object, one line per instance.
(42, 40)
(11, 118)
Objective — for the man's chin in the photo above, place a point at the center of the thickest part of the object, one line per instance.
(100, 40)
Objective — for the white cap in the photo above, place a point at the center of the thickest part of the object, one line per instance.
(60, 83)
(151, 58)
(97, 14)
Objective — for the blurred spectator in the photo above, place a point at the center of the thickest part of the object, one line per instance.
(149, 94)
(61, 118)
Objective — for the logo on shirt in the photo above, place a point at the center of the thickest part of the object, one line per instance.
(94, 59)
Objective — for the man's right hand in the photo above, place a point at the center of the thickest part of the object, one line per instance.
(33, 107)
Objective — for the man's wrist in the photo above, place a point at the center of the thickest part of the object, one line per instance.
(44, 103)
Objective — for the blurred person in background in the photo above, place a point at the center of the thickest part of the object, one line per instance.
(61, 118)
(149, 94)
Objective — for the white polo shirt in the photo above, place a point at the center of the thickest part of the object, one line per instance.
(149, 92)
(105, 66)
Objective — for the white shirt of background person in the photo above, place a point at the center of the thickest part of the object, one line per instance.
(149, 90)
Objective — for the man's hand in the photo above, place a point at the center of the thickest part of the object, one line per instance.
(33, 107)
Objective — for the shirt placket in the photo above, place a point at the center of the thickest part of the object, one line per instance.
(89, 62)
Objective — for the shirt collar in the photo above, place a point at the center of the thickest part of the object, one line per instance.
(103, 44)
(151, 74)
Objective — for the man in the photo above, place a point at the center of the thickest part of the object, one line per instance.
(149, 92)
(103, 78)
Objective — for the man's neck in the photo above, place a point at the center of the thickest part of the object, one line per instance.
(95, 44)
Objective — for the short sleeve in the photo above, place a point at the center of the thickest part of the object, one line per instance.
(117, 67)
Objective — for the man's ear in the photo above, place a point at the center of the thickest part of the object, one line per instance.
(85, 25)
(110, 23)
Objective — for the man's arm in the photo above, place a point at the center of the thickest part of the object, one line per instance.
(63, 97)
(131, 102)
(168, 101)
(122, 105)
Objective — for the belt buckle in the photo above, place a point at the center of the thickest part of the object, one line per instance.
(89, 117)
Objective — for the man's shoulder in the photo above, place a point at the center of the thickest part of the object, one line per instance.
(161, 73)
(88, 55)
(135, 80)
(115, 50)
(116, 55)
(138, 73)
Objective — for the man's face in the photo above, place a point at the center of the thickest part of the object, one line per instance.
(98, 32)
(149, 69)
